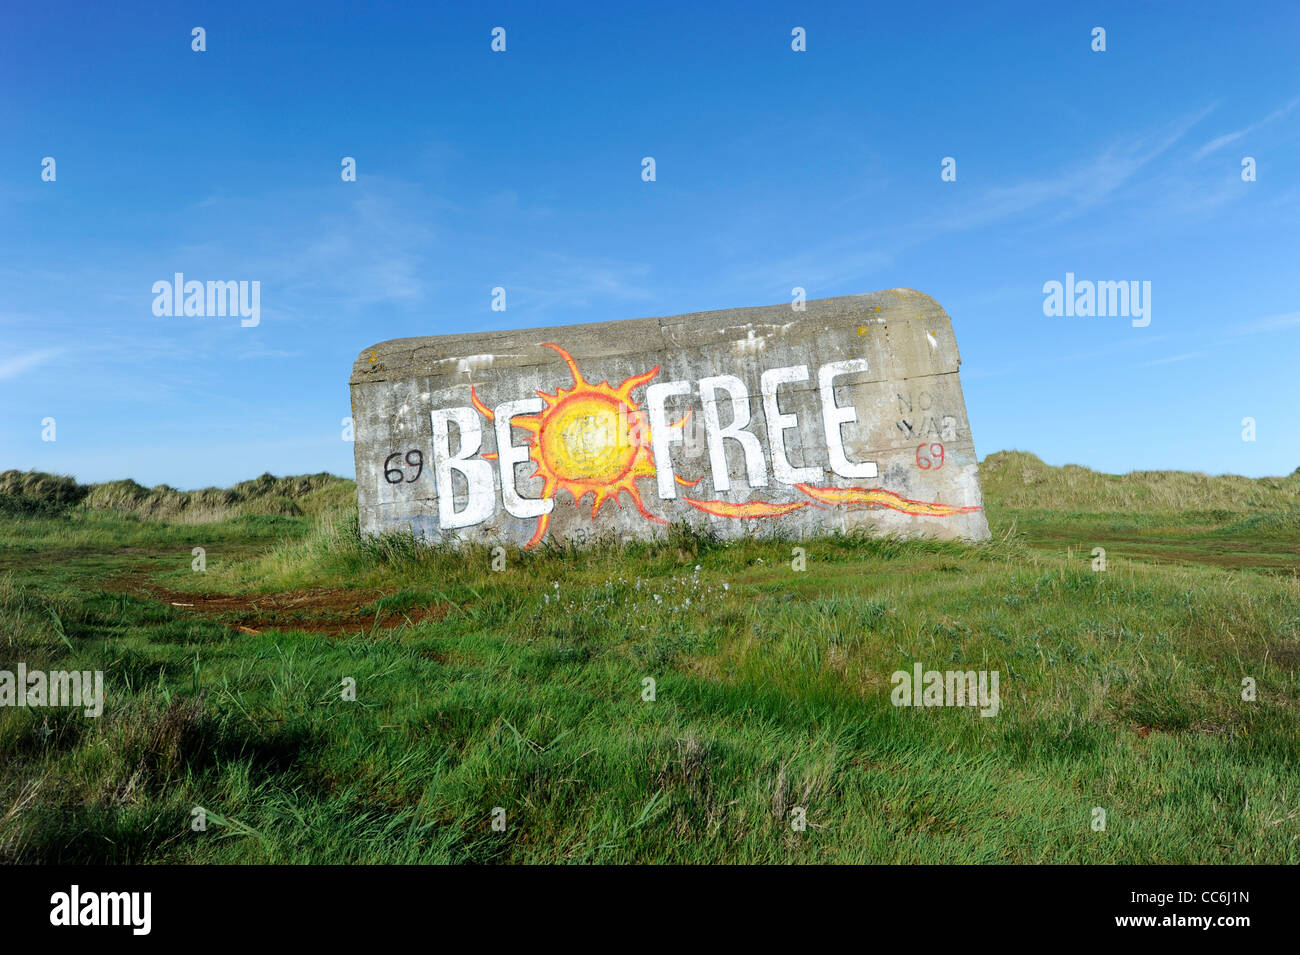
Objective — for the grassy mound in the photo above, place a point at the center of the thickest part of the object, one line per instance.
(1023, 480)
(38, 493)
(35, 492)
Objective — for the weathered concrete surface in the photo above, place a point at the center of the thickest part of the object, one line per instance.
(898, 456)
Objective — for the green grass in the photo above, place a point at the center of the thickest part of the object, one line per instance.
(522, 689)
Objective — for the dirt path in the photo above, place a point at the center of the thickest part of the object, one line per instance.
(334, 611)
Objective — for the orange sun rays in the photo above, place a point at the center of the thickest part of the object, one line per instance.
(589, 439)
(593, 439)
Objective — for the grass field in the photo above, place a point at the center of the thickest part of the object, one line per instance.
(1121, 690)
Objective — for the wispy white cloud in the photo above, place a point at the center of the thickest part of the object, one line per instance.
(1127, 344)
(573, 281)
(1171, 359)
(1272, 323)
(378, 254)
(1220, 141)
(13, 367)
(1075, 190)
(1049, 200)
(1262, 326)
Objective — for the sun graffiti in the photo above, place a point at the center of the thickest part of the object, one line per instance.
(595, 439)
(589, 439)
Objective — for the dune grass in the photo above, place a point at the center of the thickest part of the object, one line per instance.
(34, 493)
(523, 690)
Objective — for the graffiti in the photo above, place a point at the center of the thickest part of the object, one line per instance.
(746, 509)
(878, 497)
(587, 439)
(930, 458)
(842, 417)
(598, 440)
(418, 464)
(929, 422)
(944, 427)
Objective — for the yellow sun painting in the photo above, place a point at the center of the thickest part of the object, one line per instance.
(595, 439)
(589, 439)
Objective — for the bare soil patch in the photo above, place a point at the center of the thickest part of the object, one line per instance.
(333, 611)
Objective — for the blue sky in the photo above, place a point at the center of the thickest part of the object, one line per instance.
(522, 169)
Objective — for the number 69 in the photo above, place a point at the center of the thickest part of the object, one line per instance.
(932, 457)
(414, 458)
